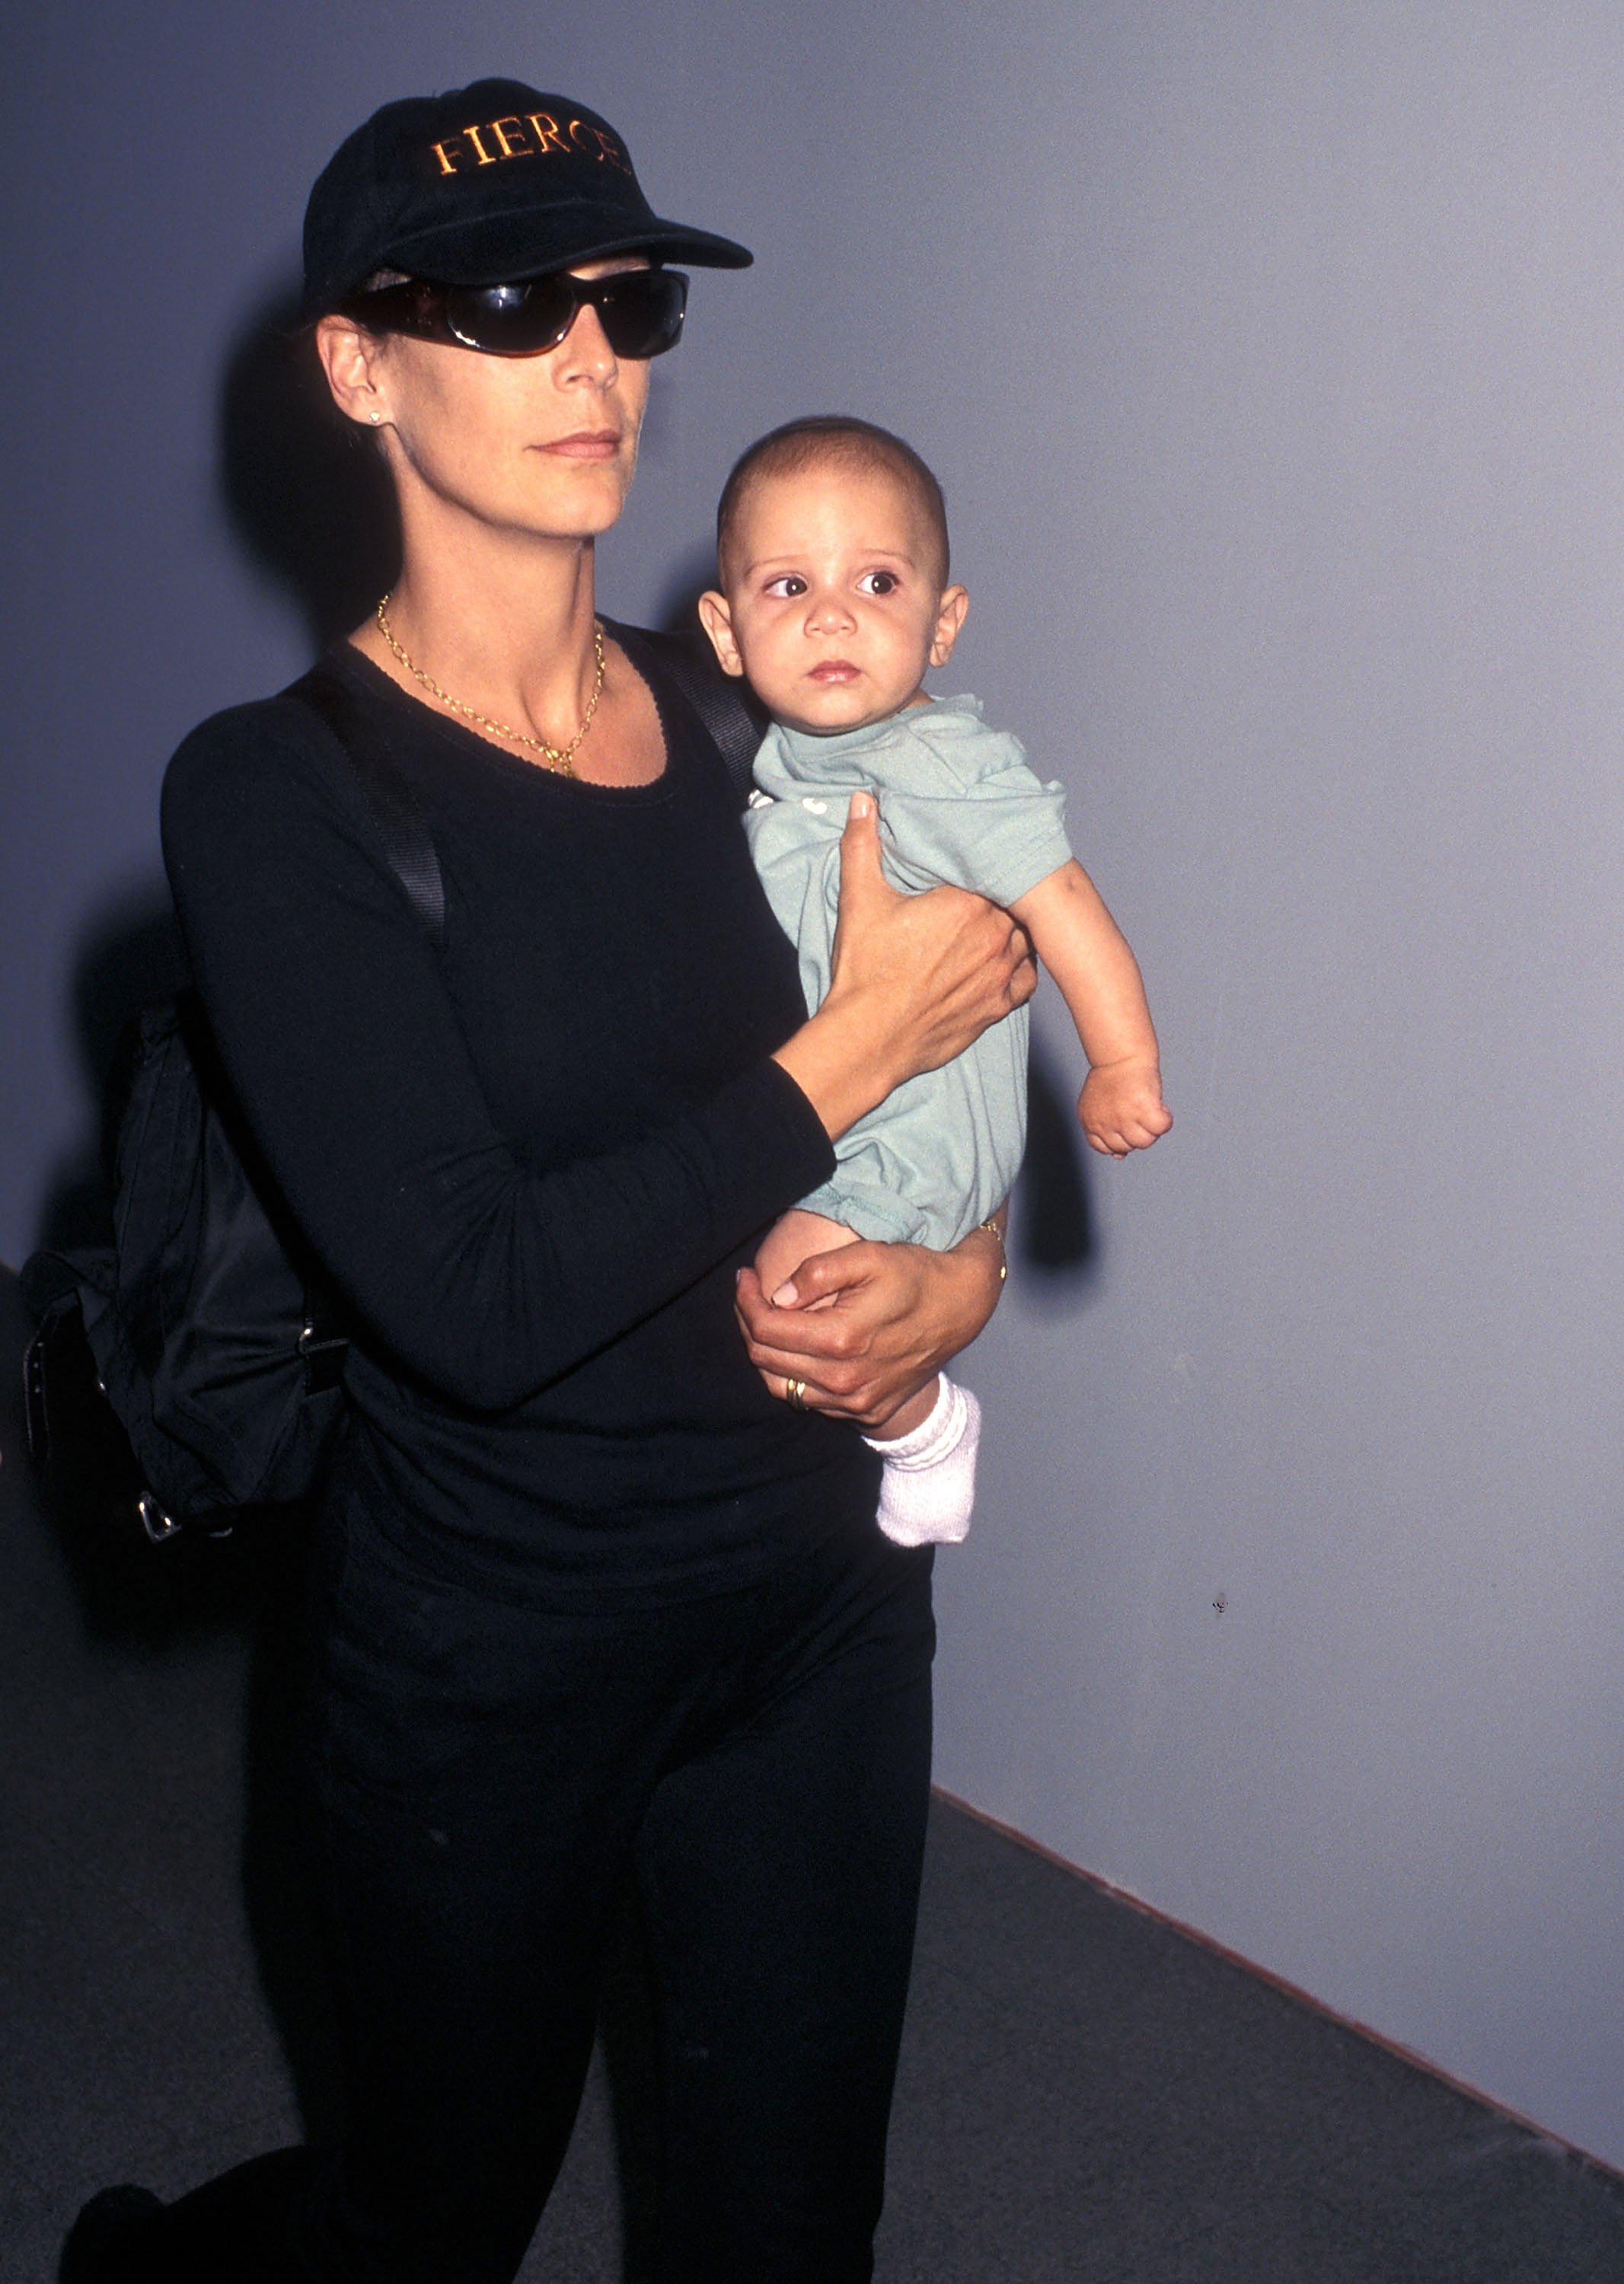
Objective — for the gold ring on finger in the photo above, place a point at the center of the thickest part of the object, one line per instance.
(795, 1394)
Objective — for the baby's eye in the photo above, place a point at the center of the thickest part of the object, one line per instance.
(787, 588)
(880, 582)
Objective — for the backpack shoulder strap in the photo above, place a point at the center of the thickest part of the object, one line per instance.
(401, 826)
(726, 710)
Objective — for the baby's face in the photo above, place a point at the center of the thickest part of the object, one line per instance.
(833, 606)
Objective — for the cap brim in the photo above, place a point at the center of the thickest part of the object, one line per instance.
(499, 248)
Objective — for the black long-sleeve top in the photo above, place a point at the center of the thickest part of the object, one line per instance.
(532, 1157)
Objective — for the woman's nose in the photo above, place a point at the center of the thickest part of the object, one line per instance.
(584, 352)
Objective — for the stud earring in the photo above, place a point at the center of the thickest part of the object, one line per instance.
(376, 418)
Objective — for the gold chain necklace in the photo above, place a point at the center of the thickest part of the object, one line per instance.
(562, 758)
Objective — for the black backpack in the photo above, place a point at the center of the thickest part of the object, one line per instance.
(194, 1368)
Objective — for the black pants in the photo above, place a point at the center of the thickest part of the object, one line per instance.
(486, 1774)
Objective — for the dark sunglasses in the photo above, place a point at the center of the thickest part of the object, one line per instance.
(640, 310)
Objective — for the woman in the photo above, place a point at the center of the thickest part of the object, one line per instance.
(592, 1597)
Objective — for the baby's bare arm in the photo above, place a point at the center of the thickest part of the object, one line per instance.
(1121, 1106)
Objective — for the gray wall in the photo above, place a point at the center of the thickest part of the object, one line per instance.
(1270, 354)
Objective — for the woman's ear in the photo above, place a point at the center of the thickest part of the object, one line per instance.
(950, 618)
(350, 358)
(717, 621)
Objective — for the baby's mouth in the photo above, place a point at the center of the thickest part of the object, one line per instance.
(834, 670)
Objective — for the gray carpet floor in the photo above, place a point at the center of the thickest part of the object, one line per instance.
(1086, 2097)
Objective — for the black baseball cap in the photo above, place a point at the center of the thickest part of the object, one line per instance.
(482, 186)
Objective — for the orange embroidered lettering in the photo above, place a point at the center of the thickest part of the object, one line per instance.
(611, 151)
(486, 158)
(547, 135)
(514, 146)
(446, 167)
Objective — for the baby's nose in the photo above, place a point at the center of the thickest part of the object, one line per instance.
(830, 609)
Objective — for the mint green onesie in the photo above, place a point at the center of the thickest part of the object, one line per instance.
(958, 803)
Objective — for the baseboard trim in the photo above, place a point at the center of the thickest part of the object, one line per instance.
(1292, 1991)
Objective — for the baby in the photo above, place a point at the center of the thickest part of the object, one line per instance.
(831, 543)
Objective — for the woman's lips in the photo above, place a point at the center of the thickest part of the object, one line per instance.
(587, 444)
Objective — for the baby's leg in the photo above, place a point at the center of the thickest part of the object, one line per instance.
(928, 1489)
(794, 1238)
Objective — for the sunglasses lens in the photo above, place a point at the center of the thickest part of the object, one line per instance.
(642, 311)
(510, 320)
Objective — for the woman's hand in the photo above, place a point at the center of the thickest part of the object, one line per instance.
(916, 978)
(893, 1315)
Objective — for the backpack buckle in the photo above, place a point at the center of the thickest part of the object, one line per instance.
(157, 1525)
(323, 1358)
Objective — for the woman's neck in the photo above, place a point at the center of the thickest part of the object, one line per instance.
(505, 627)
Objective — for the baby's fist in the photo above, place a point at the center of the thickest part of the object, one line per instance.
(1121, 1108)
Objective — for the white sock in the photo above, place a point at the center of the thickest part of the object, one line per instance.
(927, 1492)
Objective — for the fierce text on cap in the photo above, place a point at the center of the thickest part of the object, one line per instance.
(576, 138)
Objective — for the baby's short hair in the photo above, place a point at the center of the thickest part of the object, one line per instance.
(842, 438)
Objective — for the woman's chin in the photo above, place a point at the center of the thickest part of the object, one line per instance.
(579, 525)
(577, 502)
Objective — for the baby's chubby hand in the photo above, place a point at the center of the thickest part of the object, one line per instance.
(1120, 1108)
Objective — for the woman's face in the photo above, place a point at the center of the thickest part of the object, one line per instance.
(543, 445)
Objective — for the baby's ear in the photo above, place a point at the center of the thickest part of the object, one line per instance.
(717, 621)
(950, 618)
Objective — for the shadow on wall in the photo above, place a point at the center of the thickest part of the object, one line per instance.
(1052, 1232)
(130, 953)
(678, 610)
(306, 496)
(304, 489)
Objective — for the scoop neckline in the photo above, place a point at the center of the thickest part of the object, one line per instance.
(348, 660)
